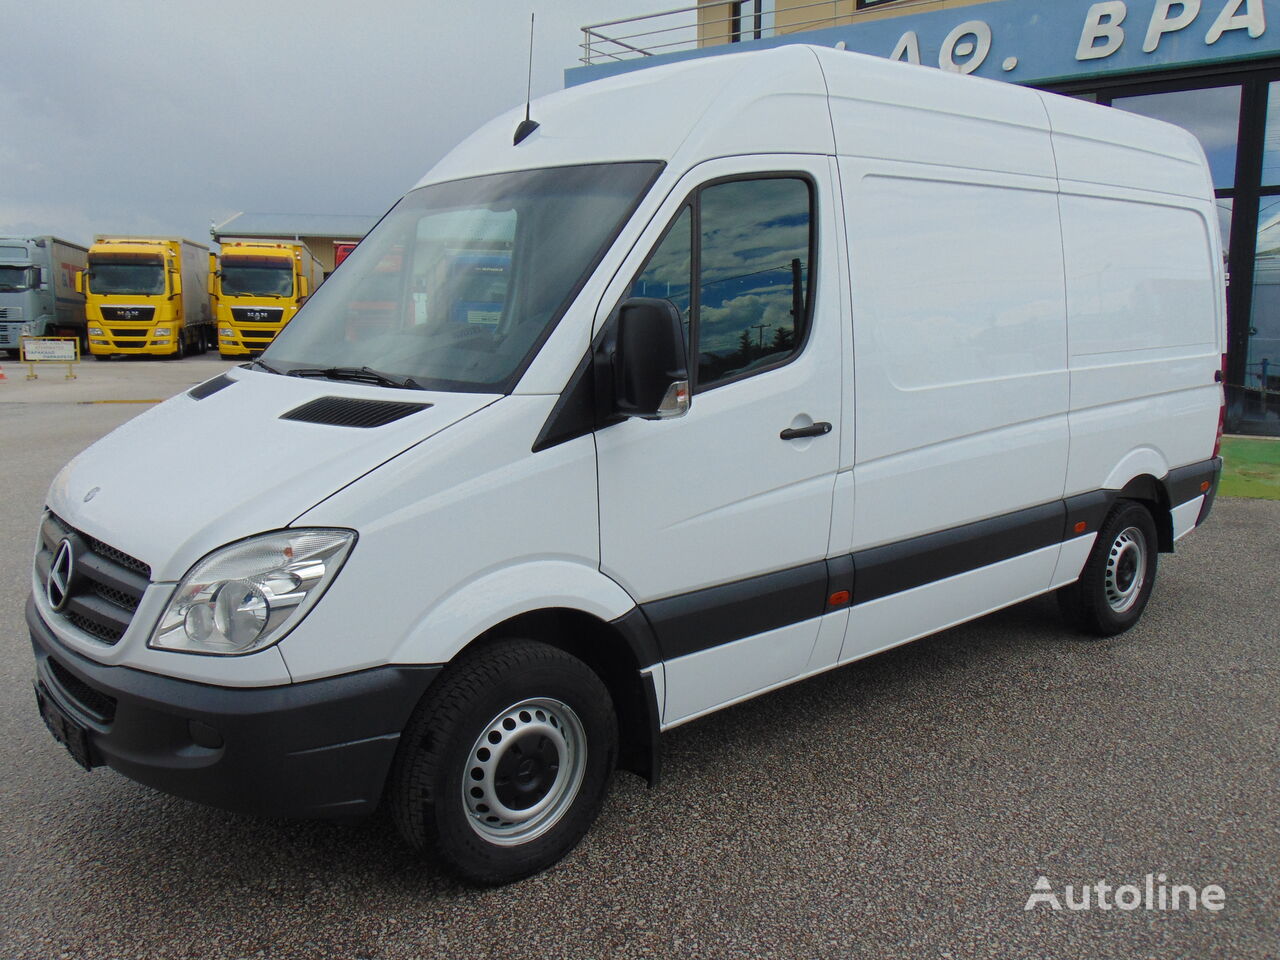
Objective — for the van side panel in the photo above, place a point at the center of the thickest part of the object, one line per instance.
(1142, 333)
(884, 111)
(1111, 147)
(959, 347)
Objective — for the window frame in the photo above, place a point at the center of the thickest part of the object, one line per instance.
(692, 201)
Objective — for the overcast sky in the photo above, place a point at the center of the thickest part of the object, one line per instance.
(158, 116)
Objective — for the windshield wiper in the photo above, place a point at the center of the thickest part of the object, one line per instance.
(358, 374)
(259, 362)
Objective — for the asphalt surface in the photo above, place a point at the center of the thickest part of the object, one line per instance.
(901, 807)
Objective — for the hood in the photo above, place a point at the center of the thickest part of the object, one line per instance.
(190, 474)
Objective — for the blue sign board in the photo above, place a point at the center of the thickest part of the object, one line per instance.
(1034, 41)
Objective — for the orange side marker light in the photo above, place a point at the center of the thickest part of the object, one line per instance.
(1081, 526)
(838, 599)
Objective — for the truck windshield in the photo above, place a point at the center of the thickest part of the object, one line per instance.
(461, 282)
(256, 279)
(13, 279)
(134, 277)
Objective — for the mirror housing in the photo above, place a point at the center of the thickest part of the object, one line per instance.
(304, 287)
(175, 282)
(80, 281)
(650, 366)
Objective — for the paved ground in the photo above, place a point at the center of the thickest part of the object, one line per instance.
(899, 808)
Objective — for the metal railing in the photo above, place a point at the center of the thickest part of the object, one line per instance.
(717, 22)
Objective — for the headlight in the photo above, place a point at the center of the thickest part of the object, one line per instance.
(248, 595)
(160, 332)
(95, 331)
(226, 332)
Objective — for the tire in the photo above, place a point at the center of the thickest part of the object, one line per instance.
(457, 768)
(179, 347)
(1118, 577)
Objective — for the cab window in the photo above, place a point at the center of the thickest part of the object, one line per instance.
(736, 263)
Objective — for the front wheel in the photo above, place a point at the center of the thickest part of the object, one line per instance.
(504, 766)
(1118, 577)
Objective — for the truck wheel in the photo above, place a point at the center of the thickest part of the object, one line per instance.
(504, 765)
(179, 347)
(1118, 577)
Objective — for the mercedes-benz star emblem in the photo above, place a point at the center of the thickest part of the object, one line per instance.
(58, 587)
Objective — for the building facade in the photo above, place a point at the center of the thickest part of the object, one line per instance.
(1211, 66)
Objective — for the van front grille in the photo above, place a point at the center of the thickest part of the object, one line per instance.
(105, 584)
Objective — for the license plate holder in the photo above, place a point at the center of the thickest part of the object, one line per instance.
(65, 729)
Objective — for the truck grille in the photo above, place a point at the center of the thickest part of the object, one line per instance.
(105, 585)
(10, 313)
(260, 334)
(128, 314)
(11, 336)
(257, 314)
(117, 334)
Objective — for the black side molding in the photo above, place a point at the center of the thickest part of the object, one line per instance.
(1186, 483)
(707, 618)
(881, 571)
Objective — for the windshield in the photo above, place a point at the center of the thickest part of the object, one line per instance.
(139, 278)
(461, 282)
(262, 279)
(13, 279)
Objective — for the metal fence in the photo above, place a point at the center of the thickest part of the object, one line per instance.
(704, 25)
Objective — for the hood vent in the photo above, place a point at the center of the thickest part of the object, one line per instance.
(348, 412)
(210, 387)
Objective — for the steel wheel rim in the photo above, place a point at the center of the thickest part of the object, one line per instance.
(1126, 570)
(524, 771)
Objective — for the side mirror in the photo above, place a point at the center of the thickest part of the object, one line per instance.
(175, 280)
(37, 279)
(79, 281)
(209, 283)
(304, 287)
(650, 368)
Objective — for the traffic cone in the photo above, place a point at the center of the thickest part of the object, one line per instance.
(3, 378)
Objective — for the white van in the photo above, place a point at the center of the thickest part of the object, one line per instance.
(724, 374)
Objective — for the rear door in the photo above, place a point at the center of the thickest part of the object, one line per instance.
(715, 522)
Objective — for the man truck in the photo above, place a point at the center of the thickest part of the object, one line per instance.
(147, 296)
(257, 288)
(38, 296)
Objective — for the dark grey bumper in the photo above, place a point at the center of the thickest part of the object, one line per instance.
(317, 749)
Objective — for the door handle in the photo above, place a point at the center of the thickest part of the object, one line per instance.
(819, 429)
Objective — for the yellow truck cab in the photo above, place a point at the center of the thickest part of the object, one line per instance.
(146, 296)
(258, 287)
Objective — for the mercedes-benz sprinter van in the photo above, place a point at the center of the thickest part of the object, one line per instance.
(776, 360)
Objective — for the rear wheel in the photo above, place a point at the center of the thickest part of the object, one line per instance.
(505, 763)
(1118, 577)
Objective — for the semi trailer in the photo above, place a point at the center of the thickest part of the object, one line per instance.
(257, 288)
(147, 296)
(38, 296)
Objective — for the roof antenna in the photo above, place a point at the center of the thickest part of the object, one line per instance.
(527, 126)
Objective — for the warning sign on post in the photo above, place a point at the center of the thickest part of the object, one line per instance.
(50, 350)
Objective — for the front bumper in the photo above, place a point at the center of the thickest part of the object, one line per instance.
(317, 749)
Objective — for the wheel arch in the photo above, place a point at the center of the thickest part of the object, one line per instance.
(619, 651)
(1152, 494)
